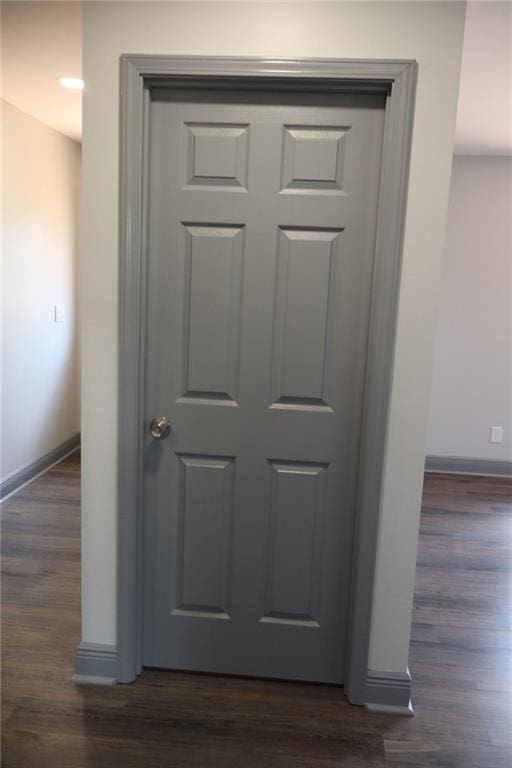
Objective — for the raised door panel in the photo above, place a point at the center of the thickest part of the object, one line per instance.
(216, 155)
(296, 510)
(313, 158)
(211, 318)
(204, 537)
(304, 317)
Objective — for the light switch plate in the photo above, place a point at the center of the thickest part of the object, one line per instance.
(496, 435)
(60, 313)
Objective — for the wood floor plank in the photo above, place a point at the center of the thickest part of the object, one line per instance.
(461, 659)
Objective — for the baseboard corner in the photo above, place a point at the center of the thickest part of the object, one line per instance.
(389, 692)
(95, 664)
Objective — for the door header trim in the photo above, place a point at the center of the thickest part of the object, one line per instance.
(139, 73)
(374, 70)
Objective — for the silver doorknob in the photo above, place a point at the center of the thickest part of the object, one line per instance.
(160, 426)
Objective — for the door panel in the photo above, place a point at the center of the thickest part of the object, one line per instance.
(303, 326)
(212, 303)
(262, 211)
(313, 159)
(205, 534)
(294, 543)
(216, 155)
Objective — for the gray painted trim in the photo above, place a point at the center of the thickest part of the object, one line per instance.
(389, 692)
(398, 80)
(134, 103)
(92, 680)
(22, 477)
(459, 465)
(373, 71)
(380, 358)
(95, 663)
(390, 709)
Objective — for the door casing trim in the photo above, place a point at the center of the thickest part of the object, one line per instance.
(395, 78)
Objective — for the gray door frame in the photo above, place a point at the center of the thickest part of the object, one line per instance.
(396, 79)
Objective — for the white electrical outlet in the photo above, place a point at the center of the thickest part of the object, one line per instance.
(60, 313)
(496, 435)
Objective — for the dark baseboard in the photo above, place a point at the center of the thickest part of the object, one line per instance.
(25, 475)
(389, 692)
(463, 466)
(95, 663)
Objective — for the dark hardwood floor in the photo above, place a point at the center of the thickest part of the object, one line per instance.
(461, 659)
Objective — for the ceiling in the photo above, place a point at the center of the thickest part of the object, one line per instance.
(41, 41)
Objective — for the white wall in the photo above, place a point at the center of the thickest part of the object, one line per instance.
(40, 381)
(429, 32)
(484, 114)
(472, 382)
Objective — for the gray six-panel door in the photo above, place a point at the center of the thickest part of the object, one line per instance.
(262, 210)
